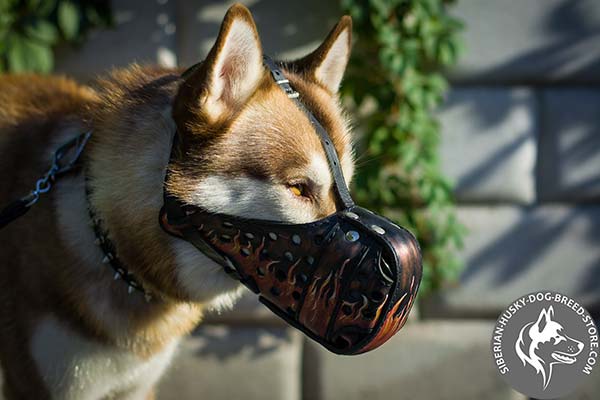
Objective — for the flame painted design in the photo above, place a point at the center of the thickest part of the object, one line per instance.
(396, 319)
(320, 299)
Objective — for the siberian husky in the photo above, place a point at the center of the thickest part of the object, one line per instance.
(68, 328)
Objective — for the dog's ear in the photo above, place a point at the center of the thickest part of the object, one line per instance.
(234, 63)
(231, 71)
(326, 65)
(544, 318)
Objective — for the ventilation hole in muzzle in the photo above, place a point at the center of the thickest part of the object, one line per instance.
(227, 224)
(272, 236)
(260, 271)
(302, 278)
(280, 275)
(347, 310)
(275, 291)
(289, 256)
(264, 254)
(249, 236)
(225, 238)
(341, 343)
(296, 239)
(352, 236)
(310, 260)
(296, 295)
(245, 251)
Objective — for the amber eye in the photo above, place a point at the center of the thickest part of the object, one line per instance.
(298, 189)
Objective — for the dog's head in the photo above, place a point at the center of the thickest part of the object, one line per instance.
(544, 343)
(245, 148)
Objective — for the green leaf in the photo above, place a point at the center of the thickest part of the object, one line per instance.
(68, 19)
(43, 31)
(25, 55)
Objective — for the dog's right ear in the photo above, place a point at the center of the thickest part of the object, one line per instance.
(231, 71)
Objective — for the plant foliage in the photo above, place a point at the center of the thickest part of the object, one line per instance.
(29, 29)
(394, 81)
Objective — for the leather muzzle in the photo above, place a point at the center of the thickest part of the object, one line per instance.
(348, 281)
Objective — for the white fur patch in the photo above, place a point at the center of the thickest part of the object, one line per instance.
(331, 70)
(319, 172)
(250, 198)
(74, 367)
(204, 280)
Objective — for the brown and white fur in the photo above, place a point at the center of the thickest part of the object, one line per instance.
(67, 329)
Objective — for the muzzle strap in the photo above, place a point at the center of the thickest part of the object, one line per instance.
(340, 187)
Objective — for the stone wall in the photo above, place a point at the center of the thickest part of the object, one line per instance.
(521, 140)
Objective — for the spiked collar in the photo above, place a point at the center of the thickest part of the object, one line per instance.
(109, 250)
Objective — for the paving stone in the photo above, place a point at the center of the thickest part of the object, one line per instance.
(220, 362)
(489, 143)
(287, 29)
(515, 41)
(425, 360)
(145, 33)
(569, 148)
(511, 251)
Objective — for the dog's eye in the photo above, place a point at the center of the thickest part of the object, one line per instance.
(298, 189)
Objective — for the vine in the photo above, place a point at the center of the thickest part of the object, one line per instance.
(30, 29)
(395, 83)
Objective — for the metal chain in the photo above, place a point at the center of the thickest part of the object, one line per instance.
(59, 166)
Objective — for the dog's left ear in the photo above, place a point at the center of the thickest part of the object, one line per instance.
(326, 65)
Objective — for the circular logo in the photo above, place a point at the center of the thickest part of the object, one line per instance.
(545, 344)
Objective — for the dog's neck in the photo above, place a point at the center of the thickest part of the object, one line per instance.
(126, 162)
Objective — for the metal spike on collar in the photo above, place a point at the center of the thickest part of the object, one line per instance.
(110, 257)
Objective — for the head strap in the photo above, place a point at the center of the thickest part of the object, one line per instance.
(341, 189)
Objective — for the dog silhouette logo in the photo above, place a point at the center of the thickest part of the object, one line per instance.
(543, 344)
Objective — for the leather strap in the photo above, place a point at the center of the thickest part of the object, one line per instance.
(340, 187)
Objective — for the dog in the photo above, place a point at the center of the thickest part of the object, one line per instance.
(68, 329)
(543, 344)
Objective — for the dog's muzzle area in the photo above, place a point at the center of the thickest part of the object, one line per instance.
(348, 280)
